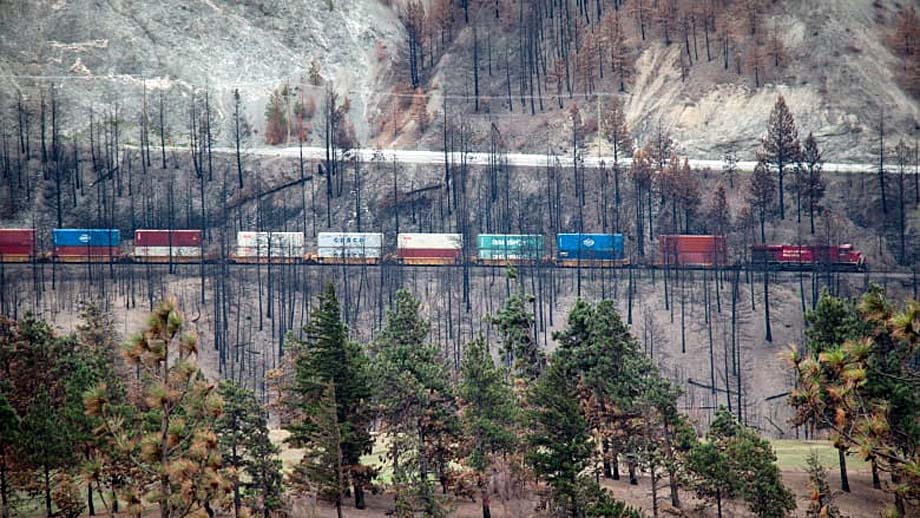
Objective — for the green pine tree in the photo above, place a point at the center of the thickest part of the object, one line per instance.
(415, 403)
(328, 356)
(323, 464)
(822, 498)
(489, 413)
(515, 324)
(248, 451)
(752, 463)
(560, 439)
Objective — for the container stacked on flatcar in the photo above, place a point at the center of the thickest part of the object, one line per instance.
(86, 244)
(160, 246)
(17, 245)
(705, 251)
(794, 257)
(265, 247)
(349, 247)
(509, 248)
(590, 250)
(429, 249)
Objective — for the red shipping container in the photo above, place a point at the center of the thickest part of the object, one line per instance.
(687, 250)
(86, 251)
(175, 238)
(17, 241)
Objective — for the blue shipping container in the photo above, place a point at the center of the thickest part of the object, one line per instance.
(605, 247)
(86, 237)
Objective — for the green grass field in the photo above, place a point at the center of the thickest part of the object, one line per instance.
(792, 455)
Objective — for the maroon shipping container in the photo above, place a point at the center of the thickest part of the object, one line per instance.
(686, 250)
(176, 238)
(17, 242)
(430, 252)
(80, 252)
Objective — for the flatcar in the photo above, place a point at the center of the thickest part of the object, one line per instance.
(98, 245)
(799, 257)
(695, 251)
(593, 250)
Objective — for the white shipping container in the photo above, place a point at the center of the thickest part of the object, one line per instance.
(260, 244)
(430, 241)
(363, 252)
(163, 251)
(355, 240)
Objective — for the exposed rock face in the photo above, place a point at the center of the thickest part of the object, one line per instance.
(100, 52)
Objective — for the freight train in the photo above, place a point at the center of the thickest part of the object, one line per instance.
(430, 249)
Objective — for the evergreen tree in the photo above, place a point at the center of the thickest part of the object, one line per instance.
(516, 326)
(559, 438)
(323, 464)
(168, 435)
(867, 391)
(415, 403)
(488, 413)
(812, 183)
(830, 325)
(822, 498)
(762, 192)
(328, 356)
(248, 451)
(781, 145)
(752, 463)
(9, 429)
(710, 478)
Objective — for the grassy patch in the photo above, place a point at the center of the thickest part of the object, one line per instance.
(793, 455)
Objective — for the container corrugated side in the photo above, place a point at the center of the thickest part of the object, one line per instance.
(166, 251)
(509, 246)
(275, 244)
(589, 246)
(17, 241)
(174, 238)
(354, 240)
(86, 237)
(429, 241)
(349, 252)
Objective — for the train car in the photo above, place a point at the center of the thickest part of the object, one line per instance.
(17, 245)
(268, 247)
(590, 250)
(163, 246)
(703, 251)
(349, 247)
(429, 249)
(798, 257)
(502, 249)
(86, 244)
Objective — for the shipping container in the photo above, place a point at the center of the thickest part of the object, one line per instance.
(509, 246)
(165, 245)
(429, 248)
(592, 247)
(285, 245)
(87, 237)
(86, 244)
(17, 244)
(689, 250)
(349, 245)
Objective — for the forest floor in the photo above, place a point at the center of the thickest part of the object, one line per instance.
(862, 501)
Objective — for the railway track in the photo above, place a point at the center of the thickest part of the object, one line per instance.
(890, 274)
